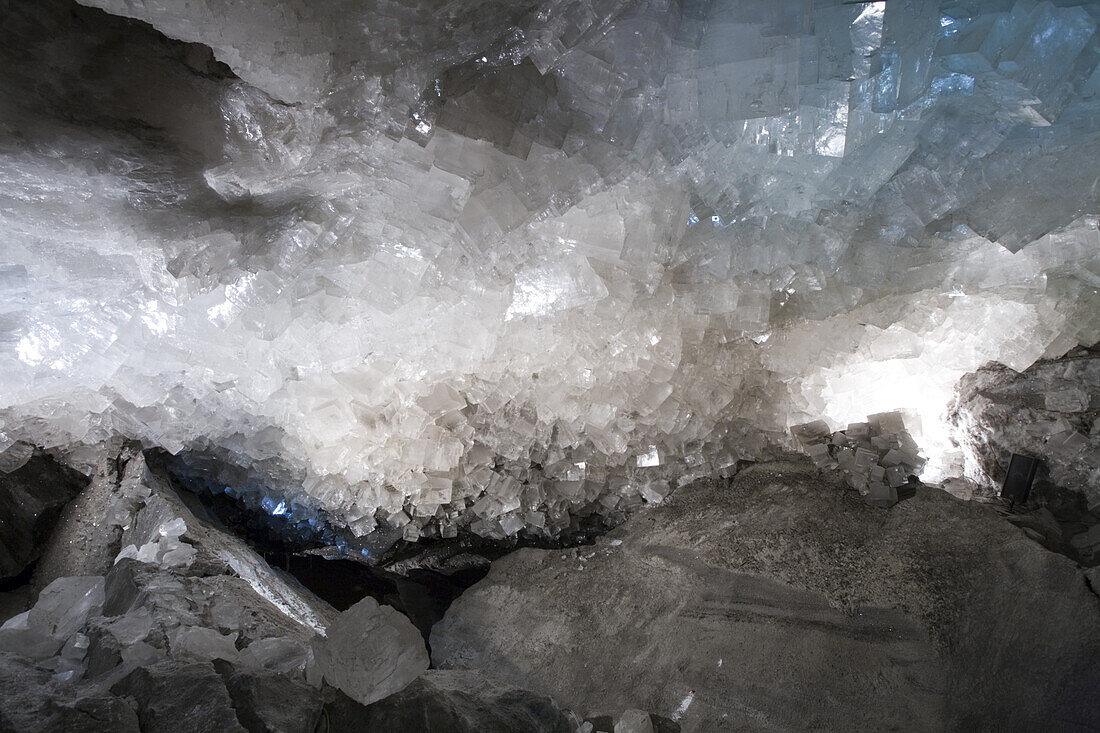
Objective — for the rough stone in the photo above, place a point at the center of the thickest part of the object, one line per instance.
(175, 697)
(149, 628)
(999, 411)
(1050, 412)
(31, 702)
(779, 600)
(33, 497)
(61, 611)
(267, 702)
(634, 721)
(452, 701)
(86, 538)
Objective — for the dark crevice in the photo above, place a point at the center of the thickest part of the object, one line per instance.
(1054, 529)
(419, 579)
(1088, 584)
(15, 582)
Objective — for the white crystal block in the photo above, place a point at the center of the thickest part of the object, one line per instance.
(370, 651)
(197, 642)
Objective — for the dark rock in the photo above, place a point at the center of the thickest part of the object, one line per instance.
(271, 703)
(601, 723)
(662, 724)
(30, 701)
(606, 723)
(780, 601)
(174, 697)
(449, 702)
(104, 651)
(86, 538)
(33, 497)
(122, 589)
(16, 601)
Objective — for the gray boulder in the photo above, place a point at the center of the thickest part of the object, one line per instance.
(267, 702)
(62, 610)
(1048, 411)
(1051, 411)
(779, 600)
(175, 697)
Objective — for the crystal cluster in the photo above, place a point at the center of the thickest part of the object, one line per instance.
(490, 266)
(877, 457)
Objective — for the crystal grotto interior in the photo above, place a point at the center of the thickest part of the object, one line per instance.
(633, 366)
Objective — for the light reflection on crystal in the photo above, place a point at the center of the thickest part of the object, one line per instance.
(435, 271)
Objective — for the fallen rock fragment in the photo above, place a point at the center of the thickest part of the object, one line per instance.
(370, 652)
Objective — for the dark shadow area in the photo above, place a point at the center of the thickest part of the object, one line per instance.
(15, 582)
(32, 498)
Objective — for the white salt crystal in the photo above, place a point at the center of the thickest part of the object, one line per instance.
(651, 458)
(661, 248)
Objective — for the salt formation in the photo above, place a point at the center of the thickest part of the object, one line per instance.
(159, 642)
(877, 457)
(488, 266)
(174, 592)
(371, 652)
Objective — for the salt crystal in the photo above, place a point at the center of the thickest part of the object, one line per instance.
(710, 226)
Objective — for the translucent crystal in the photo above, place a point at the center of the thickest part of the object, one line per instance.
(394, 264)
(371, 651)
(62, 609)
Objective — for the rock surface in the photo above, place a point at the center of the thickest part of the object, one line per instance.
(31, 701)
(1050, 411)
(61, 611)
(139, 633)
(88, 534)
(270, 702)
(780, 601)
(179, 626)
(453, 701)
(173, 697)
(33, 497)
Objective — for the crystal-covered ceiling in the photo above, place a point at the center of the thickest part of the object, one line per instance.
(490, 264)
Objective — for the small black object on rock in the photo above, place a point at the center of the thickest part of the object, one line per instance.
(1018, 480)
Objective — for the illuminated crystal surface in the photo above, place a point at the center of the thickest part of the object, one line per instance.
(490, 265)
